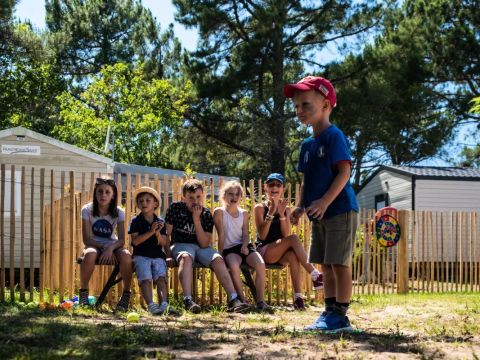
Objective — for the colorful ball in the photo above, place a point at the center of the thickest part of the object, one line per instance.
(68, 304)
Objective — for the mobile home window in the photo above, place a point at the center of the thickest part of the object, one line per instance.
(381, 201)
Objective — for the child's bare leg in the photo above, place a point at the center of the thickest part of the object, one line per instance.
(255, 261)
(185, 273)
(291, 259)
(223, 276)
(162, 290)
(126, 268)
(87, 266)
(343, 282)
(233, 262)
(329, 283)
(146, 288)
(297, 246)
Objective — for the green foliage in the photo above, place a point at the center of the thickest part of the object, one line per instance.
(143, 115)
(86, 35)
(29, 79)
(247, 52)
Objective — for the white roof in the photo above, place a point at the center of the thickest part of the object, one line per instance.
(21, 131)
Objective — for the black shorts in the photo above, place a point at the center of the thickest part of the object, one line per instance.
(237, 250)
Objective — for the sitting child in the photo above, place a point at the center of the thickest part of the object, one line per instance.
(275, 242)
(190, 226)
(99, 220)
(231, 223)
(148, 236)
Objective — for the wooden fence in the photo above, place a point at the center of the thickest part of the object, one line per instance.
(438, 251)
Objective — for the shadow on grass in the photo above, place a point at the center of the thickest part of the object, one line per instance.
(50, 334)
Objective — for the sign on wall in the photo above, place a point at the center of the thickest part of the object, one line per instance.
(21, 150)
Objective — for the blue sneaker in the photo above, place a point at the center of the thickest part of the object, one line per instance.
(315, 325)
(333, 322)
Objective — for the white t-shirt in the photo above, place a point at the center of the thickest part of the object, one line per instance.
(232, 228)
(103, 227)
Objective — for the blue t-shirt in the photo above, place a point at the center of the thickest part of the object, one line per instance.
(318, 159)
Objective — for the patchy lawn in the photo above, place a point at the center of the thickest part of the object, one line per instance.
(396, 327)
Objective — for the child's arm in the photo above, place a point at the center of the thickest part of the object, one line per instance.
(218, 221)
(204, 238)
(245, 233)
(107, 256)
(138, 239)
(166, 248)
(299, 209)
(318, 207)
(284, 212)
(263, 225)
(86, 234)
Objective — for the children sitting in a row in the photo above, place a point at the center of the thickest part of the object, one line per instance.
(185, 237)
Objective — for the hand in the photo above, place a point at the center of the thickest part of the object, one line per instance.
(272, 206)
(107, 256)
(155, 227)
(244, 249)
(170, 262)
(317, 209)
(282, 206)
(197, 211)
(295, 215)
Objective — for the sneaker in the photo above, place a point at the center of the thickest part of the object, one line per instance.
(191, 306)
(333, 323)
(237, 306)
(318, 282)
(262, 306)
(298, 304)
(124, 301)
(320, 319)
(168, 310)
(155, 309)
(83, 297)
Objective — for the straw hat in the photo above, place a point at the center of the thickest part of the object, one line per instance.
(148, 190)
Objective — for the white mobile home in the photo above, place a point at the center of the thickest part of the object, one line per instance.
(422, 188)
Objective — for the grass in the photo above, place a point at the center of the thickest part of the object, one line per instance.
(394, 326)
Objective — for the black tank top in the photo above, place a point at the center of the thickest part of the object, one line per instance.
(274, 233)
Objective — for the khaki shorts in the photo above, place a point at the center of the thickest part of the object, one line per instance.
(333, 240)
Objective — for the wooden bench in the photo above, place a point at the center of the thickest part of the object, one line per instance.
(115, 278)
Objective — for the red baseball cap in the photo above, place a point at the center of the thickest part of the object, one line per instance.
(317, 83)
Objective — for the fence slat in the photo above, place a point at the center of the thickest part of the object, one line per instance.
(12, 233)
(2, 233)
(22, 235)
(32, 236)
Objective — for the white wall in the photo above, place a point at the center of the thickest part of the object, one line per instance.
(447, 195)
(397, 186)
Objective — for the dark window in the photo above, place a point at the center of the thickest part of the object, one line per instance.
(381, 201)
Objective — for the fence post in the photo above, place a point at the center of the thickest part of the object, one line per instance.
(402, 245)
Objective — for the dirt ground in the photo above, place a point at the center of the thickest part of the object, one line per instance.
(389, 327)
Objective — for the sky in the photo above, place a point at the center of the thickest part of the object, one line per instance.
(163, 10)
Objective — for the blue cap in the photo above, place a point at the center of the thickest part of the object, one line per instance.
(275, 176)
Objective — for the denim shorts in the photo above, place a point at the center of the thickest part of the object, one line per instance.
(202, 255)
(149, 268)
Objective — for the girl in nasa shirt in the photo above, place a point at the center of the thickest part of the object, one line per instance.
(100, 218)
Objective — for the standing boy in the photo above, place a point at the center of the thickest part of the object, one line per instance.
(148, 236)
(189, 229)
(327, 197)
